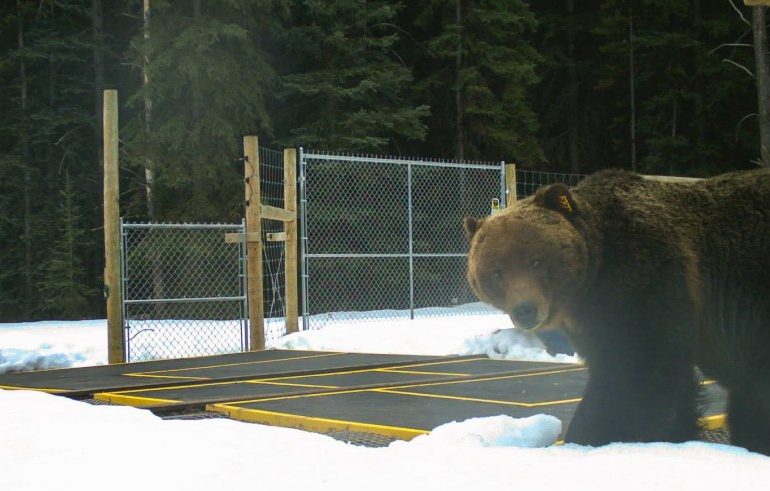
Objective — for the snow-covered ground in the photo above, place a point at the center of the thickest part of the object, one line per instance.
(50, 442)
(460, 330)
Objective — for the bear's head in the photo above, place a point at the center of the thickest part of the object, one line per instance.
(530, 261)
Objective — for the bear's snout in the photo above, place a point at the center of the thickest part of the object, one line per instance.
(524, 315)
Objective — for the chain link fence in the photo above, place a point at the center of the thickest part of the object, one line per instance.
(382, 236)
(381, 239)
(183, 290)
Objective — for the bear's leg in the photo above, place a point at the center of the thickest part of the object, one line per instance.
(636, 406)
(749, 418)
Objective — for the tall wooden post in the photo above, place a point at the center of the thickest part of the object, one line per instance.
(254, 244)
(291, 244)
(115, 346)
(510, 184)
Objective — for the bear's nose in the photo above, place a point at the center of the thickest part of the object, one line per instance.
(524, 315)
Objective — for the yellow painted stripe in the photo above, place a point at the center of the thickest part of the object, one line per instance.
(236, 364)
(476, 399)
(316, 375)
(300, 396)
(319, 425)
(39, 389)
(287, 384)
(174, 377)
(175, 387)
(135, 401)
(493, 378)
(714, 422)
(442, 362)
(415, 372)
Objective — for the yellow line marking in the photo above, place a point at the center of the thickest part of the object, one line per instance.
(38, 389)
(714, 422)
(234, 364)
(286, 384)
(493, 378)
(476, 399)
(415, 372)
(135, 401)
(175, 377)
(317, 424)
(300, 396)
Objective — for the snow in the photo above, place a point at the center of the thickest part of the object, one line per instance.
(460, 330)
(51, 442)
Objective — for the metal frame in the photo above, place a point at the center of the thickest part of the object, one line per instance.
(125, 292)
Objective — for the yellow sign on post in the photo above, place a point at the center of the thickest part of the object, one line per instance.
(495, 206)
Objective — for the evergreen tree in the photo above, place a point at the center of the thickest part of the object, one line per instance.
(208, 83)
(44, 68)
(688, 101)
(346, 87)
(64, 289)
(477, 71)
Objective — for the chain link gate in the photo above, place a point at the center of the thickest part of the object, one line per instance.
(382, 237)
(184, 291)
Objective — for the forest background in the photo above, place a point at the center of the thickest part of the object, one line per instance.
(656, 86)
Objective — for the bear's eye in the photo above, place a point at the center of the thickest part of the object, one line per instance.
(497, 274)
(535, 263)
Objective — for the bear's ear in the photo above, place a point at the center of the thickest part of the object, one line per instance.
(472, 225)
(557, 197)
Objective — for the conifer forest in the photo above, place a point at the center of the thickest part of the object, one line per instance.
(656, 86)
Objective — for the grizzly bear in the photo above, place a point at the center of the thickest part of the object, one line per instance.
(649, 280)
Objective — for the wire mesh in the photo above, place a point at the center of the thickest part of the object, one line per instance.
(528, 181)
(382, 238)
(271, 176)
(183, 290)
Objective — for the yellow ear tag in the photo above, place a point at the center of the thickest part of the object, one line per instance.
(565, 203)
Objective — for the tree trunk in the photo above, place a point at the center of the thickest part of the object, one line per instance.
(459, 109)
(26, 166)
(97, 37)
(149, 175)
(632, 95)
(573, 120)
(763, 83)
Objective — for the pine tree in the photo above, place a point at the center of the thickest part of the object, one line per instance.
(346, 86)
(64, 288)
(208, 83)
(689, 102)
(477, 72)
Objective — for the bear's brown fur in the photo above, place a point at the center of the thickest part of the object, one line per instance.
(648, 279)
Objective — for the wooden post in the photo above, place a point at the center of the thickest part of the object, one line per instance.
(510, 184)
(254, 247)
(291, 244)
(116, 352)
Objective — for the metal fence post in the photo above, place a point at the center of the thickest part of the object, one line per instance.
(411, 240)
(303, 238)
